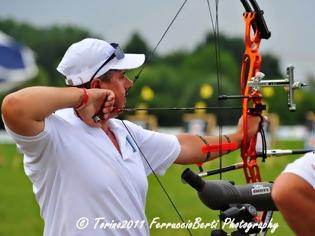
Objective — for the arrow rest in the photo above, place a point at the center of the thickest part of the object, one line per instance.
(257, 109)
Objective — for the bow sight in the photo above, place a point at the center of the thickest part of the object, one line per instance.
(258, 81)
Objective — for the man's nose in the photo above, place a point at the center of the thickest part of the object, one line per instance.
(129, 83)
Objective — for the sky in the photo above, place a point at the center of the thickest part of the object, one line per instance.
(290, 22)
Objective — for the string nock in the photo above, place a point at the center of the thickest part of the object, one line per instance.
(136, 77)
(224, 147)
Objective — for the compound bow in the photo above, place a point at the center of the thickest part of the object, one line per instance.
(251, 81)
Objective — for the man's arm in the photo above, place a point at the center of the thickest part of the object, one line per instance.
(191, 144)
(24, 111)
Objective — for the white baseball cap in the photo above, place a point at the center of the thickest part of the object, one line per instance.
(91, 58)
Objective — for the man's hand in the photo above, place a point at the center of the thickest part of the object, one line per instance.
(252, 125)
(100, 101)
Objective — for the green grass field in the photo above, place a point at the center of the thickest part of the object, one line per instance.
(19, 213)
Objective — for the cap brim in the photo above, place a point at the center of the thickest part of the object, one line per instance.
(130, 61)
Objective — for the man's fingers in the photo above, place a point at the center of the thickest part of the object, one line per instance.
(108, 103)
(99, 108)
(110, 95)
(106, 107)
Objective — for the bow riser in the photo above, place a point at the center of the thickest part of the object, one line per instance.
(250, 66)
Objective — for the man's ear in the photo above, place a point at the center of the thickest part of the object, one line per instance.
(95, 83)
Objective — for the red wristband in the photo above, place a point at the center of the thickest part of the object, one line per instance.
(84, 100)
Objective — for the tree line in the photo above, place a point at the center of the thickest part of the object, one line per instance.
(178, 79)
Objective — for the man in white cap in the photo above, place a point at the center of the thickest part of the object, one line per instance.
(88, 169)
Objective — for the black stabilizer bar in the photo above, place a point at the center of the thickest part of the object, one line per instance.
(260, 20)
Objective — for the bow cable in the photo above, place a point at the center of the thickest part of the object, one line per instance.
(216, 33)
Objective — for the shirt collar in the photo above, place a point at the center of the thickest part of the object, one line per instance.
(71, 117)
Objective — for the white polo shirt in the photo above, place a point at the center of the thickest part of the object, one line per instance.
(83, 185)
(303, 167)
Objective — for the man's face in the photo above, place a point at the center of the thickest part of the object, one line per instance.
(119, 84)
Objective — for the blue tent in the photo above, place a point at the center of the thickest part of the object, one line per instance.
(17, 63)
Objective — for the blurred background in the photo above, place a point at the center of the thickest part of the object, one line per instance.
(181, 72)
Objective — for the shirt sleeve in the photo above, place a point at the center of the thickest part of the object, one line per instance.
(36, 148)
(160, 150)
(304, 168)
